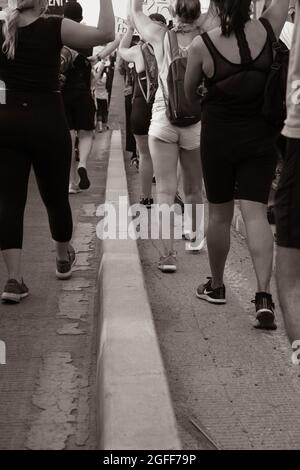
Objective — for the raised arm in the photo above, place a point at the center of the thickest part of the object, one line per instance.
(193, 74)
(277, 14)
(77, 36)
(106, 51)
(126, 52)
(148, 30)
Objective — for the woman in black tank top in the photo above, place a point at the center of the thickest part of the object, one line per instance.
(237, 145)
(33, 127)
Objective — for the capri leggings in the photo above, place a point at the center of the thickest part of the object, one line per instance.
(34, 133)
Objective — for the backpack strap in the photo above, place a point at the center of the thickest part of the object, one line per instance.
(268, 27)
(146, 47)
(173, 41)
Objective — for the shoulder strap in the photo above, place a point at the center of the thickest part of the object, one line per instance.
(209, 44)
(268, 27)
(244, 49)
(146, 97)
(174, 47)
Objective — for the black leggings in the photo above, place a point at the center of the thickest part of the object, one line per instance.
(34, 132)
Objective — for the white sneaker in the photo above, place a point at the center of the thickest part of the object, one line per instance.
(195, 246)
(74, 189)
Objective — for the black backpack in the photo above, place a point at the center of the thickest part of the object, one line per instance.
(179, 111)
(274, 106)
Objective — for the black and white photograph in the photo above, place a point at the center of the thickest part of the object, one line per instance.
(149, 231)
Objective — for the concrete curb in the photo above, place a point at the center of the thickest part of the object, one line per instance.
(134, 408)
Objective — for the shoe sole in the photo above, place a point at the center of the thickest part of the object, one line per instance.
(210, 299)
(10, 298)
(266, 320)
(68, 275)
(196, 249)
(167, 269)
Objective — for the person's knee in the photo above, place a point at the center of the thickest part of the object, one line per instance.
(193, 193)
(220, 216)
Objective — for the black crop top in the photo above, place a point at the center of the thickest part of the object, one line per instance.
(37, 59)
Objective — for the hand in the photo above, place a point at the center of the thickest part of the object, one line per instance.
(130, 22)
(138, 4)
(93, 59)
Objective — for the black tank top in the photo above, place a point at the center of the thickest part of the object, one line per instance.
(238, 89)
(37, 59)
(232, 117)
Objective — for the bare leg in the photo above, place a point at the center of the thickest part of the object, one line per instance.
(12, 260)
(218, 239)
(85, 147)
(288, 282)
(146, 165)
(165, 161)
(192, 182)
(260, 242)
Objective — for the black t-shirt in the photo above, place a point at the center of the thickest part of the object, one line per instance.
(36, 64)
(78, 76)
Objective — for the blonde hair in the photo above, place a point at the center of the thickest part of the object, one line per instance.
(10, 25)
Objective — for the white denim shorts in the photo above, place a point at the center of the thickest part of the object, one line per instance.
(187, 138)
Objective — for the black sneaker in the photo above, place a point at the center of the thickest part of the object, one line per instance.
(214, 296)
(146, 201)
(84, 182)
(64, 268)
(134, 161)
(14, 292)
(264, 311)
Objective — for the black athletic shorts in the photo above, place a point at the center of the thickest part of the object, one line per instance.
(287, 206)
(235, 166)
(80, 110)
(141, 115)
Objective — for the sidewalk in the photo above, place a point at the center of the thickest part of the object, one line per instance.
(47, 385)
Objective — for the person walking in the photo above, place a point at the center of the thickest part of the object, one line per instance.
(237, 144)
(169, 142)
(141, 109)
(33, 128)
(101, 96)
(287, 203)
(79, 106)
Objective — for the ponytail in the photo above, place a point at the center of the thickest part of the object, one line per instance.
(11, 20)
(10, 32)
(233, 14)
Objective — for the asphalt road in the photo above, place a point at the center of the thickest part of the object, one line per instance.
(235, 383)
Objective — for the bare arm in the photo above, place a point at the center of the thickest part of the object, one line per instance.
(79, 36)
(107, 50)
(193, 75)
(126, 52)
(149, 30)
(277, 14)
